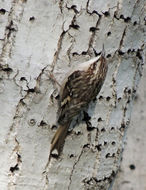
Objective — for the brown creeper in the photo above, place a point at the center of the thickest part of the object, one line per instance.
(80, 87)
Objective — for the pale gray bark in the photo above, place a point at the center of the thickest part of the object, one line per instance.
(41, 36)
(132, 173)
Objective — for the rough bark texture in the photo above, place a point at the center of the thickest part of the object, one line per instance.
(41, 36)
(132, 173)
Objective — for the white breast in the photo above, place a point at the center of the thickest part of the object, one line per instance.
(86, 65)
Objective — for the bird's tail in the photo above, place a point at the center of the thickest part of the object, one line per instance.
(59, 138)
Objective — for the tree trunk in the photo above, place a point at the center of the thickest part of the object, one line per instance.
(132, 173)
(39, 37)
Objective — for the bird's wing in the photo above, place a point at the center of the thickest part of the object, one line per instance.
(75, 96)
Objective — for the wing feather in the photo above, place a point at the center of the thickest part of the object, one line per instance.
(75, 96)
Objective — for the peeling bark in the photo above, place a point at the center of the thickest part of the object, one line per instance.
(39, 37)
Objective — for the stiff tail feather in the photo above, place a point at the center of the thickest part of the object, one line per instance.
(59, 138)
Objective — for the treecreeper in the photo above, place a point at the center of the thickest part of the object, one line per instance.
(79, 88)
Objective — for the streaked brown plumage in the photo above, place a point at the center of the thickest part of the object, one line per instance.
(78, 89)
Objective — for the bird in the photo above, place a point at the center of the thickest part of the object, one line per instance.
(78, 89)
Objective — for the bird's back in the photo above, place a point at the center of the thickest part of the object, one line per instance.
(81, 87)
